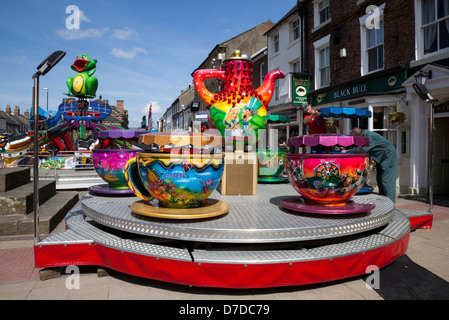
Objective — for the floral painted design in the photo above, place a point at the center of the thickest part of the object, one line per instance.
(327, 179)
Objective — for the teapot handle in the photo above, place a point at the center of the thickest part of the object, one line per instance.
(198, 79)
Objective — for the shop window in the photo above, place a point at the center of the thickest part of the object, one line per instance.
(359, 123)
(378, 119)
(405, 143)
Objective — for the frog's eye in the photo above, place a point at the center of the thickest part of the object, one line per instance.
(84, 57)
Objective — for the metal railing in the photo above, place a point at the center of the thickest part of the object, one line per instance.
(55, 162)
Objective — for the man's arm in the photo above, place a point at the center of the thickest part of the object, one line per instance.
(307, 119)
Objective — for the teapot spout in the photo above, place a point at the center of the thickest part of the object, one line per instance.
(266, 90)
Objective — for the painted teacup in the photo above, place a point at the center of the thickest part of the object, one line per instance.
(175, 180)
(327, 179)
(271, 162)
(110, 164)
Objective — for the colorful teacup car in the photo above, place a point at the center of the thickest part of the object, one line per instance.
(110, 164)
(110, 154)
(181, 178)
(327, 181)
(271, 163)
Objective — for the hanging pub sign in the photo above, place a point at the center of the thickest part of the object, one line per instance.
(300, 88)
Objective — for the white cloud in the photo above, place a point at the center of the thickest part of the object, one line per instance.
(74, 34)
(120, 53)
(83, 17)
(123, 34)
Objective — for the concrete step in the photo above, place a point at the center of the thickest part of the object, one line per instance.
(11, 178)
(51, 214)
(20, 200)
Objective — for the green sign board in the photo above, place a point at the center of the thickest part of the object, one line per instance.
(381, 84)
(300, 90)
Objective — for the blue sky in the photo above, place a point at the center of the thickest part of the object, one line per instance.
(146, 50)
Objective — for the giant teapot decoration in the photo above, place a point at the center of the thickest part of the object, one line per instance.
(238, 109)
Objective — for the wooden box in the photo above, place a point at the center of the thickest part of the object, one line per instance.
(240, 174)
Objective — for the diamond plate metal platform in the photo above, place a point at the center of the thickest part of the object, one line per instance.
(83, 231)
(251, 219)
(256, 245)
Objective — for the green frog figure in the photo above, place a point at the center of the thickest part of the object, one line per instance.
(84, 84)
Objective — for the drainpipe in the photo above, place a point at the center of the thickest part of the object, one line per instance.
(302, 12)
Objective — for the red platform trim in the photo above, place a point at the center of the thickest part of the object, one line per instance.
(421, 222)
(219, 275)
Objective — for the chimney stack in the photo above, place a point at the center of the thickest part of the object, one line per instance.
(120, 106)
(8, 110)
(17, 111)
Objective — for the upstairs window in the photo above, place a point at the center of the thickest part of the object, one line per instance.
(372, 40)
(295, 30)
(322, 62)
(276, 43)
(323, 11)
(375, 47)
(262, 72)
(435, 25)
(324, 67)
(277, 89)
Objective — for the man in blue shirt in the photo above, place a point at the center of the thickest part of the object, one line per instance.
(384, 154)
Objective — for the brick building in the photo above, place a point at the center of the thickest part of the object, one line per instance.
(364, 54)
(14, 122)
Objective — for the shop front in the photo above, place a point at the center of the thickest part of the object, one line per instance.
(436, 81)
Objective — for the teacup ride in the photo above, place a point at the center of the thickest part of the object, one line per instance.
(352, 113)
(110, 154)
(176, 176)
(327, 181)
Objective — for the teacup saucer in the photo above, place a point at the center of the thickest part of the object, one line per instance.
(104, 189)
(211, 208)
(300, 205)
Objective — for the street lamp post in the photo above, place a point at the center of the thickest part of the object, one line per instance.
(424, 94)
(42, 70)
